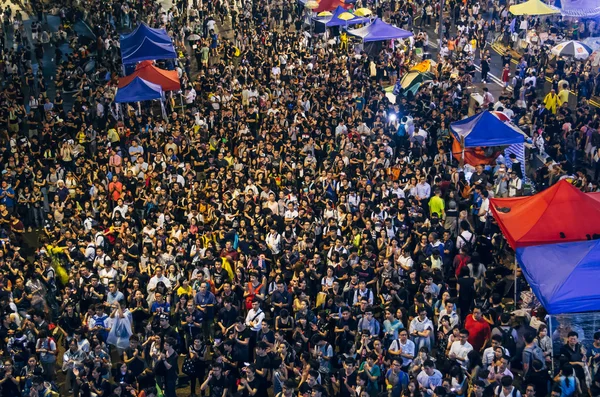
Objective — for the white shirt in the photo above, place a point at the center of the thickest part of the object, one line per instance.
(485, 208)
(256, 317)
(407, 348)
(468, 237)
(461, 351)
(454, 319)
(273, 241)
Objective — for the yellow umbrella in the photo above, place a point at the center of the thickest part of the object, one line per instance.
(422, 66)
(324, 14)
(363, 12)
(312, 4)
(346, 16)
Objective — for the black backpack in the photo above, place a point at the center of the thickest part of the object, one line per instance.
(508, 341)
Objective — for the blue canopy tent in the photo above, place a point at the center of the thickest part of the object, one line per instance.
(138, 90)
(146, 43)
(380, 31)
(334, 20)
(483, 130)
(563, 276)
(143, 30)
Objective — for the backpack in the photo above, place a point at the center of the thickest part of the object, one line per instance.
(468, 246)
(508, 341)
(535, 353)
(463, 262)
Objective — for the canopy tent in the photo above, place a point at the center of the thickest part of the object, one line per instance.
(380, 31)
(533, 7)
(142, 31)
(485, 129)
(146, 44)
(138, 90)
(559, 214)
(563, 276)
(330, 5)
(334, 20)
(477, 138)
(146, 70)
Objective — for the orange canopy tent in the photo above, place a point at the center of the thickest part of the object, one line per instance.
(146, 70)
(559, 214)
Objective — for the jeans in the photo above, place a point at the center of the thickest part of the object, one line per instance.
(170, 386)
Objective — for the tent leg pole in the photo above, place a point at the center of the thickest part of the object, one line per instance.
(516, 291)
(550, 331)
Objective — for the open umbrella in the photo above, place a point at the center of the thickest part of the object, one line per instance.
(411, 81)
(423, 66)
(572, 49)
(363, 12)
(346, 16)
(324, 14)
(311, 4)
(193, 37)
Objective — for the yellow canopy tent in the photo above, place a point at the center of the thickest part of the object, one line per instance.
(533, 7)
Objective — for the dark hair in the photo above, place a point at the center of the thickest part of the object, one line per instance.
(506, 381)
(529, 337)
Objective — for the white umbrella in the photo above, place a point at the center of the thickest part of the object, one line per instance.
(193, 37)
(572, 49)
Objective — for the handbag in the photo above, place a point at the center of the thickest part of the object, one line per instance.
(188, 367)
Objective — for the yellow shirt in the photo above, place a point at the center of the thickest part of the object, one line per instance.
(188, 290)
(436, 205)
(563, 96)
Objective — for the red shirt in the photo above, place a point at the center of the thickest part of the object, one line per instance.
(479, 332)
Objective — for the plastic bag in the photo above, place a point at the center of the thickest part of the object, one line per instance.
(120, 333)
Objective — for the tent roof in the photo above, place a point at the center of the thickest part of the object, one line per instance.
(146, 70)
(533, 7)
(330, 5)
(148, 49)
(138, 90)
(380, 31)
(564, 276)
(559, 214)
(334, 20)
(143, 30)
(485, 129)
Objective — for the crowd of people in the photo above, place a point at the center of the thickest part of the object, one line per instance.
(286, 230)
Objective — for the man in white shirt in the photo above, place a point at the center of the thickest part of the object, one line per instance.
(449, 311)
(290, 213)
(273, 241)
(429, 378)
(465, 235)
(403, 348)
(489, 354)
(514, 185)
(255, 316)
(461, 348)
(158, 277)
(420, 330)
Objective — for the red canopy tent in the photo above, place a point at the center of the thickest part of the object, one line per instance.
(167, 79)
(559, 214)
(330, 5)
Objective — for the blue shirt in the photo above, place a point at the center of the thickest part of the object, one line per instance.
(203, 300)
(9, 202)
(165, 306)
